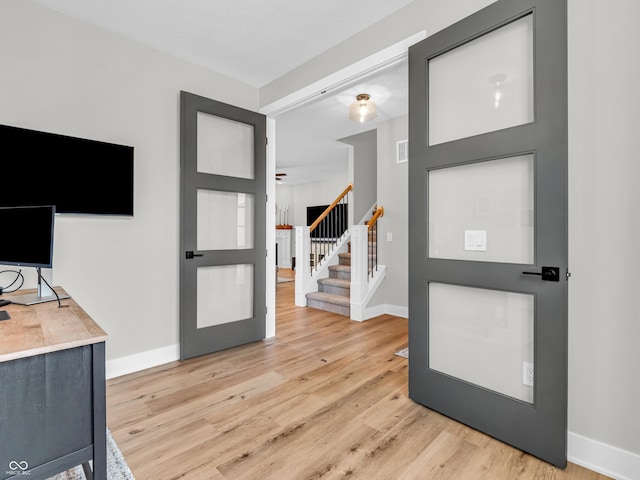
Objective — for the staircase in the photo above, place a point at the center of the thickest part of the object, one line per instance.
(334, 293)
(336, 288)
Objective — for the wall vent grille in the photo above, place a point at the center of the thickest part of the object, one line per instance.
(402, 151)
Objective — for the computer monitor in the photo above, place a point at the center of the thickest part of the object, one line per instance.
(27, 236)
(26, 240)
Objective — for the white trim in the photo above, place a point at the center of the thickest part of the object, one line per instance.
(602, 458)
(159, 356)
(367, 67)
(386, 309)
(141, 361)
(373, 312)
(396, 310)
(270, 321)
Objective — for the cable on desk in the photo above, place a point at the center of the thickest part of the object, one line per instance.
(18, 276)
(54, 292)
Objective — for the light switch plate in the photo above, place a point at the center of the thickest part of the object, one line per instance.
(475, 240)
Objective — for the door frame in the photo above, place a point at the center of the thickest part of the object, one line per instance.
(368, 67)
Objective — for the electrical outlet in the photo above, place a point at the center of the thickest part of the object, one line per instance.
(527, 373)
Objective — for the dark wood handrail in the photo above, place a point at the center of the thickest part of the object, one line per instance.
(377, 214)
(330, 207)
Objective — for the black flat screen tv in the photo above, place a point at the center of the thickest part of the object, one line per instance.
(75, 175)
(26, 239)
(334, 225)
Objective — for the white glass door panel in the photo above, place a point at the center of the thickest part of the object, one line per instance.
(484, 337)
(225, 294)
(225, 220)
(484, 85)
(483, 211)
(225, 147)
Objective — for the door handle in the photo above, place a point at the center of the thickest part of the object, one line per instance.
(550, 274)
(191, 255)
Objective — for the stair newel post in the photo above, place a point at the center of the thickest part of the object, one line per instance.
(359, 269)
(303, 264)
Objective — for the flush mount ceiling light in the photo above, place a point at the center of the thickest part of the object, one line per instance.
(363, 109)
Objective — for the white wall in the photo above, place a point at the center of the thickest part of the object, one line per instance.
(393, 184)
(305, 195)
(604, 323)
(67, 77)
(363, 165)
(604, 221)
(285, 200)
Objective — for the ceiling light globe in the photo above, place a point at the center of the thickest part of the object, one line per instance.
(363, 109)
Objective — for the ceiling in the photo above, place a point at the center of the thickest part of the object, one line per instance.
(257, 41)
(307, 146)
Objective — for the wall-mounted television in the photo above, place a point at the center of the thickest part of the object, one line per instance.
(333, 225)
(76, 175)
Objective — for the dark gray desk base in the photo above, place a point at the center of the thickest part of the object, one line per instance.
(53, 413)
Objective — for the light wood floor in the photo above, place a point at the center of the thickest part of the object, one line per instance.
(326, 399)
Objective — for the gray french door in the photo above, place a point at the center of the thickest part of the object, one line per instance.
(488, 224)
(222, 226)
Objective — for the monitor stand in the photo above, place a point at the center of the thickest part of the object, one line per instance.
(44, 294)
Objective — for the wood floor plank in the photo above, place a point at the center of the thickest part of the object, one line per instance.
(439, 459)
(320, 428)
(325, 399)
(388, 454)
(213, 450)
(165, 421)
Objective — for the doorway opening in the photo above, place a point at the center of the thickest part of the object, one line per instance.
(325, 166)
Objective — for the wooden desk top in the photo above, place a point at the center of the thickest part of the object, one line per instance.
(43, 328)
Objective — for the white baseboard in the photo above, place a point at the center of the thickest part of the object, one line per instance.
(602, 458)
(386, 309)
(396, 311)
(140, 361)
(159, 356)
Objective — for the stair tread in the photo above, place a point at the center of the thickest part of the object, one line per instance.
(337, 282)
(330, 298)
(342, 268)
